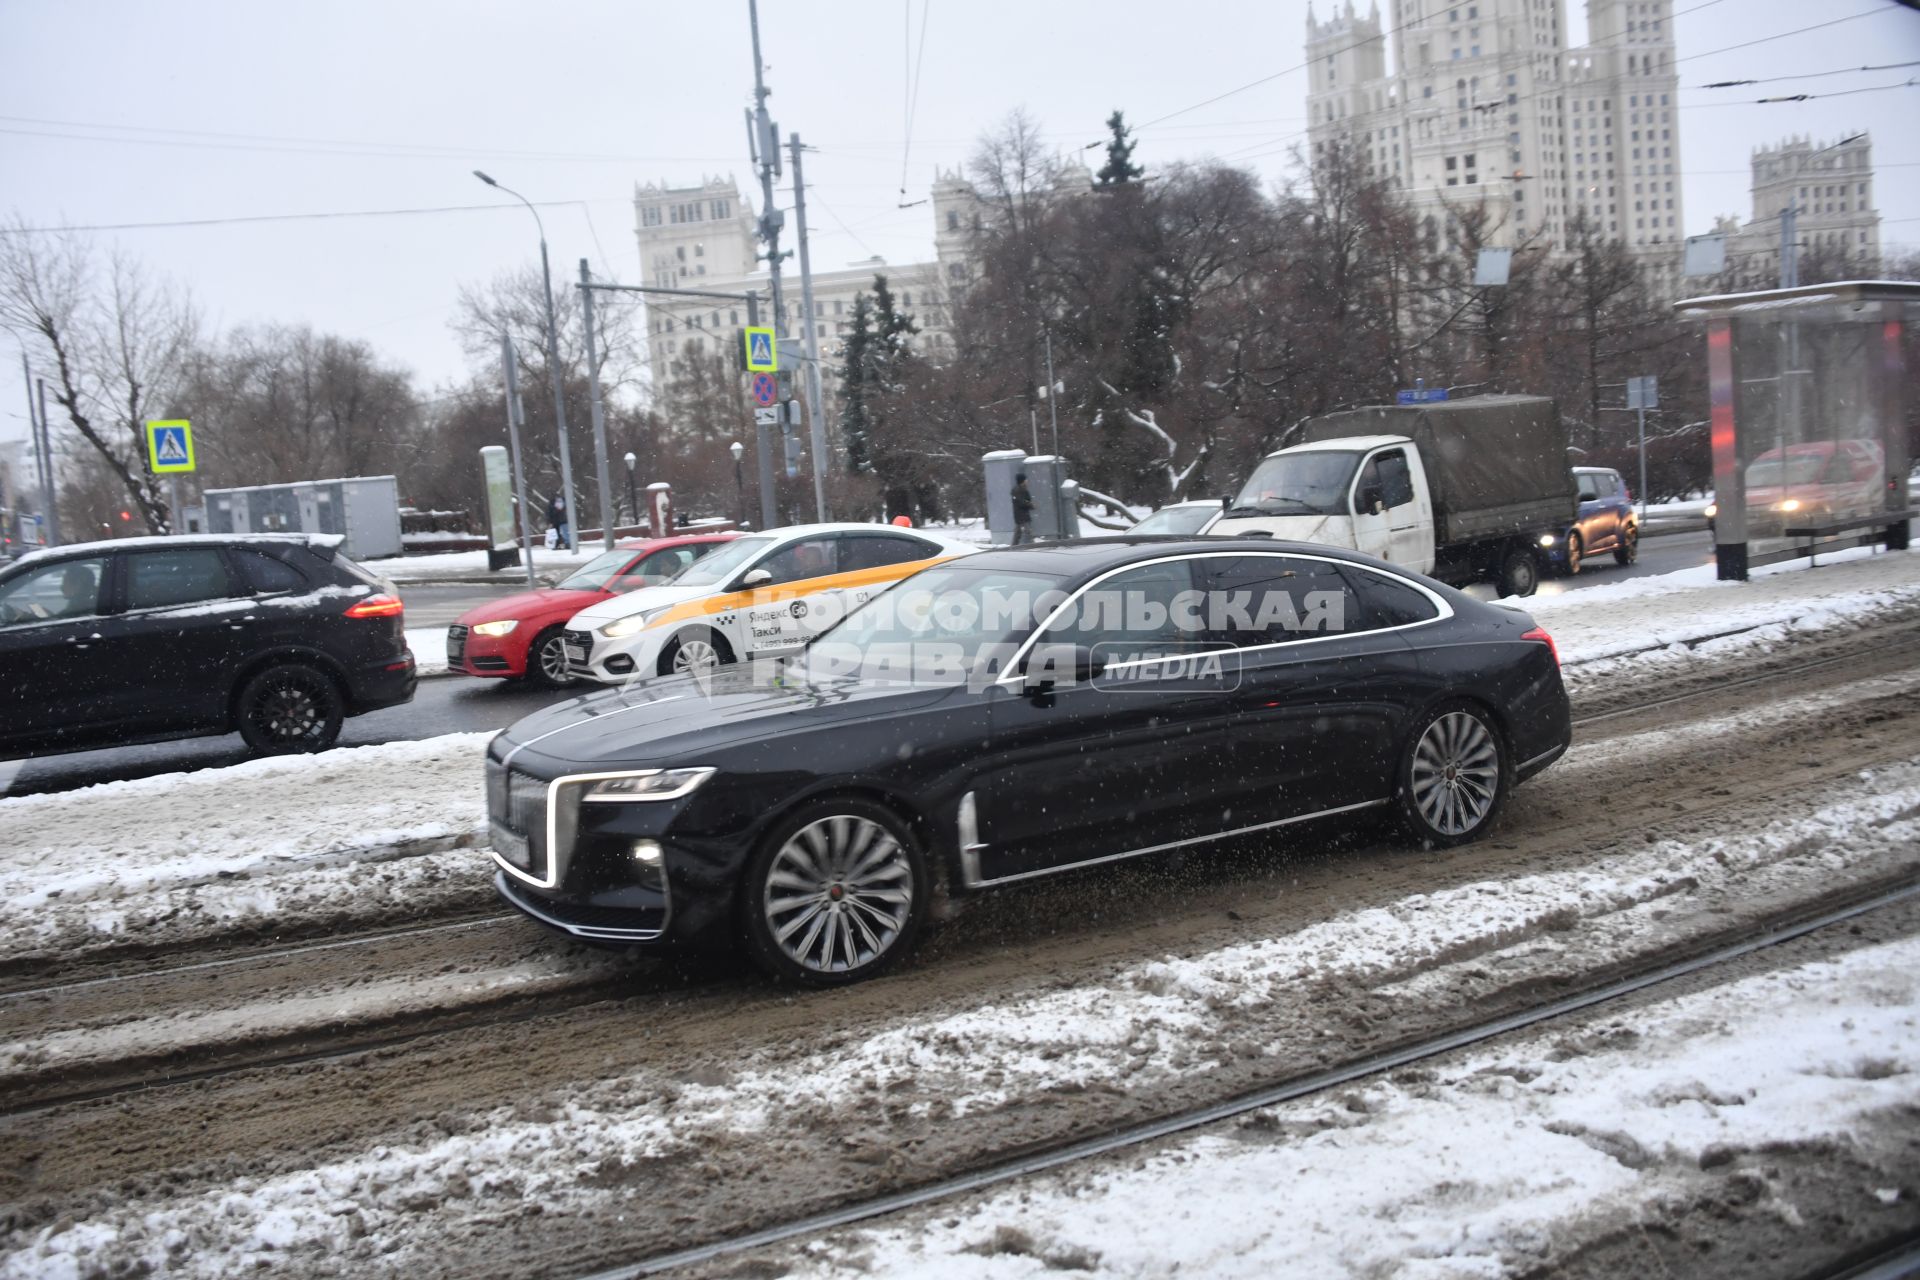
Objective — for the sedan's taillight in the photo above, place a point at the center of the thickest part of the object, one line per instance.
(1540, 634)
(380, 606)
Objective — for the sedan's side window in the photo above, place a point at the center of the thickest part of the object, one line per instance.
(1390, 602)
(168, 579)
(1260, 600)
(1589, 488)
(812, 558)
(876, 550)
(1144, 612)
(69, 589)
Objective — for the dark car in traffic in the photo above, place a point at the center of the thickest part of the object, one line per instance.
(1011, 715)
(1605, 522)
(143, 639)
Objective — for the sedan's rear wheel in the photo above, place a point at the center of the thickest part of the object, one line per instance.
(289, 708)
(836, 894)
(1454, 777)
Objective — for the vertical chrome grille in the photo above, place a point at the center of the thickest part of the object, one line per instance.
(517, 812)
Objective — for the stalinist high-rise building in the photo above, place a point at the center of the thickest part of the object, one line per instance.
(1487, 102)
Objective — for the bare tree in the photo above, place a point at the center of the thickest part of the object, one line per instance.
(118, 341)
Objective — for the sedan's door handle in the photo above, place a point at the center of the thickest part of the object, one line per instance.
(78, 643)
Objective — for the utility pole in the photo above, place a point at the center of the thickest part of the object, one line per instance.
(764, 140)
(599, 415)
(516, 419)
(1053, 412)
(50, 497)
(817, 436)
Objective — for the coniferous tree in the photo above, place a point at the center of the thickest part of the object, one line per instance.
(1119, 168)
(856, 422)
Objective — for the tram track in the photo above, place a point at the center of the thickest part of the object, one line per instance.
(169, 1055)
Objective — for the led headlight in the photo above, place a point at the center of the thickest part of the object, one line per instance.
(499, 628)
(649, 784)
(1791, 504)
(1713, 509)
(1546, 539)
(633, 622)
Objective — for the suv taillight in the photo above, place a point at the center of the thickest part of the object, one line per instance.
(380, 606)
(1539, 634)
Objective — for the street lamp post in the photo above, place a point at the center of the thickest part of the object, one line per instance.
(633, 504)
(553, 366)
(739, 451)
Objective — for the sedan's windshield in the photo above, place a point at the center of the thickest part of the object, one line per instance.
(1315, 482)
(596, 573)
(1181, 519)
(943, 625)
(723, 564)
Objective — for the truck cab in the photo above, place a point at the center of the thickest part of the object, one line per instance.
(1369, 493)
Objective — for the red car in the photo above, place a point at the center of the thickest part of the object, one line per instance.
(518, 637)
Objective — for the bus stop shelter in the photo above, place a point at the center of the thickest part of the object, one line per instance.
(1809, 390)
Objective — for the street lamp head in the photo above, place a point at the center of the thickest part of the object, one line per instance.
(631, 459)
(737, 449)
(484, 178)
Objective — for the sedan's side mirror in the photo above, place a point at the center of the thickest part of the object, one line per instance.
(756, 578)
(1057, 664)
(1226, 501)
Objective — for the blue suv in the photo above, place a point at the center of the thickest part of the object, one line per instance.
(1606, 523)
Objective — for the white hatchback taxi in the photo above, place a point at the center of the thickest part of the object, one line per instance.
(759, 596)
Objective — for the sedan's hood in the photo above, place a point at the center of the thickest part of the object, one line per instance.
(530, 604)
(636, 602)
(677, 718)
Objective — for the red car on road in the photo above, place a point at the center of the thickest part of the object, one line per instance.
(518, 637)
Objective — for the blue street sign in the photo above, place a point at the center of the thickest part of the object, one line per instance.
(1421, 395)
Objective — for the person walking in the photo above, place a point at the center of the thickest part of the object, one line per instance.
(1022, 510)
(557, 519)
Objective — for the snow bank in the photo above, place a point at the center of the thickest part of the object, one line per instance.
(100, 858)
(1475, 1169)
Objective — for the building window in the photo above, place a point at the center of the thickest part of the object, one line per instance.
(722, 209)
(650, 216)
(699, 251)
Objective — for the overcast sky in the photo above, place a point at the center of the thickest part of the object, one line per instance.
(118, 112)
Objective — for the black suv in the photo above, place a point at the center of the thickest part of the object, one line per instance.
(142, 639)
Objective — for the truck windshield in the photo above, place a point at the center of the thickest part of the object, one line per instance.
(1313, 482)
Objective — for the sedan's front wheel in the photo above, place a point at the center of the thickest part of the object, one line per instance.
(836, 893)
(1454, 777)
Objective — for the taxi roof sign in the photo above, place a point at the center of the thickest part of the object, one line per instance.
(762, 355)
(170, 446)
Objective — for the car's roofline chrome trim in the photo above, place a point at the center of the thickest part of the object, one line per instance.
(1171, 844)
(1014, 677)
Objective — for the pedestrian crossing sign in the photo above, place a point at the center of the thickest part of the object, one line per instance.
(170, 446)
(761, 355)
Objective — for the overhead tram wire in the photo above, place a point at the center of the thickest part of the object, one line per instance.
(911, 92)
(1804, 75)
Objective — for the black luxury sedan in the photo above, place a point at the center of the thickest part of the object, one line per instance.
(1008, 715)
(144, 639)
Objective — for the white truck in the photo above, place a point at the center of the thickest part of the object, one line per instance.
(1466, 490)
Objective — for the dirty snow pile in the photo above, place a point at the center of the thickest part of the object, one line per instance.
(1648, 624)
(222, 845)
(1476, 1167)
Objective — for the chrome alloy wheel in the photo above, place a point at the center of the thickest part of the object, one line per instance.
(1456, 773)
(694, 656)
(838, 894)
(552, 659)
